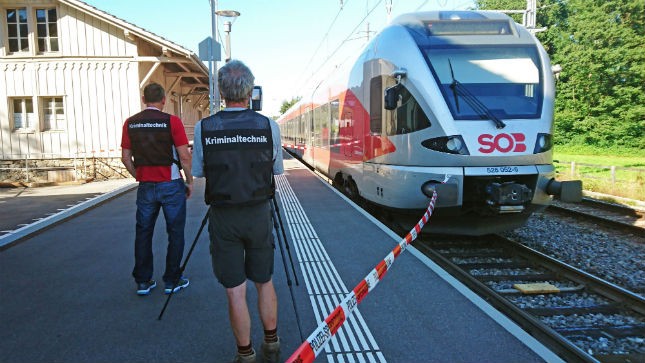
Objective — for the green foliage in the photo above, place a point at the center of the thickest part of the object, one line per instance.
(600, 97)
(287, 104)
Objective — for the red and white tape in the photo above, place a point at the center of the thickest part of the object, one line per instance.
(291, 146)
(311, 348)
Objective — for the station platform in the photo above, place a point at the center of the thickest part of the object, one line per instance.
(66, 293)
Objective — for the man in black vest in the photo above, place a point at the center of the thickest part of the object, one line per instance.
(153, 144)
(238, 151)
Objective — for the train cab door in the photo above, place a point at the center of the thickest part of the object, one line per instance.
(377, 78)
(345, 135)
(308, 134)
(373, 86)
(373, 136)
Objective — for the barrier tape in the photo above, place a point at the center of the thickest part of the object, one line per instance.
(311, 348)
(291, 146)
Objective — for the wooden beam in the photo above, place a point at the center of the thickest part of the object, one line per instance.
(172, 86)
(150, 72)
(186, 74)
(163, 59)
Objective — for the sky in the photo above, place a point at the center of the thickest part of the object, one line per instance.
(285, 43)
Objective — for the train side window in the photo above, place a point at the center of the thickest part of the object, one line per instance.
(321, 121)
(376, 104)
(335, 121)
(301, 129)
(409, 116)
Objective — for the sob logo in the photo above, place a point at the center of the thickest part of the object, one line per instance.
(503, 143)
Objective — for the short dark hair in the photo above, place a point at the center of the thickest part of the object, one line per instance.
(153, 93)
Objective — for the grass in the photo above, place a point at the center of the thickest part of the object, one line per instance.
(627, 180)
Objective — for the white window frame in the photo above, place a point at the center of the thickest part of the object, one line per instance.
(32, 36)
(48, 38)
(52, 121)
(23, 121)
(19, 36)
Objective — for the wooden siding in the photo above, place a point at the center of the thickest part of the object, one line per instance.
(88, 36)
(97, 97)
(97, 74)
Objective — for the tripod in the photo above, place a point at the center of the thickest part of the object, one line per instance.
(282, 239)
(183, 267)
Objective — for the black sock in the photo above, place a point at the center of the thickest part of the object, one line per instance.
(271, 336)
(245, 350)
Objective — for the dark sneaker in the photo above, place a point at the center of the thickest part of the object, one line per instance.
(244, 358)
(181, 284)
(143, 288)
(271, 351)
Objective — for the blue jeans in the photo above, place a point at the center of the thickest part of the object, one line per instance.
(171, 197)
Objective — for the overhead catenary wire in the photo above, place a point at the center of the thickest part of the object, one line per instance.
(389, 7)
(342, 6)
(340, 45)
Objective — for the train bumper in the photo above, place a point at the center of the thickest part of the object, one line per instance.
(508, 189)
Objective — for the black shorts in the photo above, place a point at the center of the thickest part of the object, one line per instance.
(241, 243)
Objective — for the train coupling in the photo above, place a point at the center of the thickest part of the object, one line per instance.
(569, 191)
(508, 197)
(447, 191)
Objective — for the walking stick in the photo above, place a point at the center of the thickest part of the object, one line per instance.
(183, 267)
(286, 269)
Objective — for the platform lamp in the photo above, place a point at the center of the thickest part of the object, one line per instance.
(207, 51)
(227, 28)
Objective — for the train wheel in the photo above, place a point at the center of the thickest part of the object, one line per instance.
(338, 182)
(351, 190)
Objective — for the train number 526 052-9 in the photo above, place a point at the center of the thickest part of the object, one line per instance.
(502, 169)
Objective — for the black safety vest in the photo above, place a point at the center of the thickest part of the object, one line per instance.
(151, 138)
(238, 158)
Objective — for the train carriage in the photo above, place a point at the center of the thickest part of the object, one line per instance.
(460, 102)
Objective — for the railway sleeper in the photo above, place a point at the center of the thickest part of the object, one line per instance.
(611, 332)
(613, 308)
(621, 358)
(473, 253)
(561, 290)
(527, 277)
(497, 265)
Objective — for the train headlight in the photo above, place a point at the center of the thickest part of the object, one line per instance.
(454, 144)
(543, 143)
(447, 144)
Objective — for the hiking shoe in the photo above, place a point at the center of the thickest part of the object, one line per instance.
(143, 288)
(244, 358)
(271, 351)
(182, 283)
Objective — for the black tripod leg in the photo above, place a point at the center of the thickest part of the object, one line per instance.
(183, 267)
(284, 236)
(286, 271)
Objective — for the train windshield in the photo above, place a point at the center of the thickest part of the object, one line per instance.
(478, 81)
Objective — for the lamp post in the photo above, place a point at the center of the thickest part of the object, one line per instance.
(212, 62)
(227, 28)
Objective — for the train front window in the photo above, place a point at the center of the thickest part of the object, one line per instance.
(506, 81)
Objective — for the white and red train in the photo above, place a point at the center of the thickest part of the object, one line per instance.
(460, 102)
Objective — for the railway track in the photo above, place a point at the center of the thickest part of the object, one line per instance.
(567, 309)
(581, 317)
(608, 214)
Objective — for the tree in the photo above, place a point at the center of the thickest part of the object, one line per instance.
(287, 104)
(600, 96)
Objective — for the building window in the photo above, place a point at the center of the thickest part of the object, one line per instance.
(53, 113)
(24, 117)
(46, 30)
(17, 30)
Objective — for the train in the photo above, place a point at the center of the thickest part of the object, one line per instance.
(460, 103)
